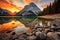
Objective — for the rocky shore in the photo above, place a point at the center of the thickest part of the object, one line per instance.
(38, 32)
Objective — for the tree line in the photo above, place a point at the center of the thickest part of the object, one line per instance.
(52, 8)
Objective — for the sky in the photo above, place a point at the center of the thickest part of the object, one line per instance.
(40, 3)
(17, 5)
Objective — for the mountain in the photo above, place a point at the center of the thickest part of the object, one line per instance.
(30, 9)
(3, 12)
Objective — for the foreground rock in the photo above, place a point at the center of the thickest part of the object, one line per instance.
(37, 32)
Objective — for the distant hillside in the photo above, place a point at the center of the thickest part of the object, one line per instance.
(4, 12)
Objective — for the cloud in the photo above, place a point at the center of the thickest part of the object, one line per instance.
(18, 3)
(37, 1)
(21, 3)
(10, 7)
(29, 1)
(8, 1)
(44, 5)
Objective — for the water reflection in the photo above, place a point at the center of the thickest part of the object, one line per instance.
(29, 22)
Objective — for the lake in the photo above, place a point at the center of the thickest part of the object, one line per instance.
(7, 23)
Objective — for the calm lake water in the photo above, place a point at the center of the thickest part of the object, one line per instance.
(23, 19)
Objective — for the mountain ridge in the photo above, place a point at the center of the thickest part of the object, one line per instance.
(4, 12)
(29, 9)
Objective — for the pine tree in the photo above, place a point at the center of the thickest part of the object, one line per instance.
(58, 6)
(50, 8)
(54, 6)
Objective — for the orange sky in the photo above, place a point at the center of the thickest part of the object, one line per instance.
(28, 1)
(44, 5)
(10, 7)
(17, 5)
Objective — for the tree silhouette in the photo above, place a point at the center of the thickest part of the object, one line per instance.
(52, 8)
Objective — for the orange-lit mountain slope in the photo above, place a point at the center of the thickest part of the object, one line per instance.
(9, 7)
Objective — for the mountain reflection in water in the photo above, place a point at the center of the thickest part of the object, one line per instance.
(7, 23)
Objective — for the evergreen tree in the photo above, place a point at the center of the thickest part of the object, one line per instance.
(50, 8)
(54, 8)
(58, 6)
